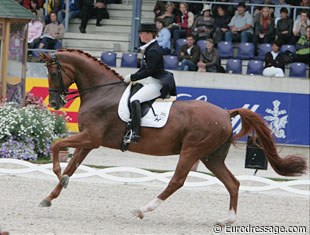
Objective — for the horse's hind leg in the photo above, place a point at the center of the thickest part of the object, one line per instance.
(215, 163)
(184, 165)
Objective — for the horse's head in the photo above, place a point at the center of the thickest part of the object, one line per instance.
(58, 80)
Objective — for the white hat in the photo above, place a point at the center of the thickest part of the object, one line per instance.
(206, 7)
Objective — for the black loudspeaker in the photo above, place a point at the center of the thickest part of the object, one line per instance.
(255, 157)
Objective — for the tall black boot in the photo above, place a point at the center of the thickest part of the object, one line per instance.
(135, 120)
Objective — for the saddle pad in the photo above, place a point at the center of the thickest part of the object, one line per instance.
(158, 120)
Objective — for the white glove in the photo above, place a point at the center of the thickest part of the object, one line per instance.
(127, 79)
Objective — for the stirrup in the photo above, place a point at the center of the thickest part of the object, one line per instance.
(127, 137)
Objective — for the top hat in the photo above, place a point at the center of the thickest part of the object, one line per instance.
(148, 27)
(241, 4)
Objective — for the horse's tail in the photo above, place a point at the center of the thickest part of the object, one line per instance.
(289, 166)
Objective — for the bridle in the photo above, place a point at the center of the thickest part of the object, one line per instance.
(63, 91)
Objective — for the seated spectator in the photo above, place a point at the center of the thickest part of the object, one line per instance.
(209, 60)
(35, 29)
(168, 16)
(303, 48)
(34, 6)
(284, 28)
(163, 37)
(277, 11)
(184, 23)
(203, 26)
(89, 9)
(274, 62)
(159, 8)
(300, 25)
(303, 3)
(53, 33)
(241, 26)
(264, 28)
(52, 6)
(221, 22)
(189, 55)
(25, 3)
(74, 11)
(228, 8)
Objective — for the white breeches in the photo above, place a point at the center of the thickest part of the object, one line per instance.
(150, 90)
(273, 72)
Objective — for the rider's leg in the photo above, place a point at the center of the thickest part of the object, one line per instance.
(135, 120)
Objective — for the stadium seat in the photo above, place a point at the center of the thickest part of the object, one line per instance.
(245, 51)
(263, 49)
(234, 66)
(202, 45)
(109, 58)
(255, 67)
(129, 60)
(286, 47)
(171, 62)
(225, 50)
(298, 70)
(180, 42)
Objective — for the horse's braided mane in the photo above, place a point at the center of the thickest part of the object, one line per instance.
(93, 58)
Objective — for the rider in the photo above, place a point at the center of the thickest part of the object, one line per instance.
(155, 80)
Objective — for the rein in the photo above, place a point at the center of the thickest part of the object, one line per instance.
(63, 91)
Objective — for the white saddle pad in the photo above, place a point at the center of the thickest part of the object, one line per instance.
(161, 109)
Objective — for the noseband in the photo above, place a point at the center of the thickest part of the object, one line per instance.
(62, 91)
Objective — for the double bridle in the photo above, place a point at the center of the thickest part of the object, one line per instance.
(63, 91)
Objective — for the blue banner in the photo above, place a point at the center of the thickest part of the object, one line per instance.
(287, 114)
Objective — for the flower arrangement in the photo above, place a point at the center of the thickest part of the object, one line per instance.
(27, 132)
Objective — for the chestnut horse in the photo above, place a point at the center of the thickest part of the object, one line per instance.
(196, 130)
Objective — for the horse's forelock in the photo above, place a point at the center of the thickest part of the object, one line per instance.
(89, 56)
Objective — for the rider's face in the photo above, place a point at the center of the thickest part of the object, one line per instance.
(146, 36)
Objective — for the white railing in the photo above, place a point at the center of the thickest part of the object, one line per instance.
(205, 180)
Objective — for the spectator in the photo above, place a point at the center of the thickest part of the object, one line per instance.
(35, 29)
(221, 22)
(34, 6)
(240, 26)
(274, 62)
(53, 33)
(163, 37)
(303, 48)
(209, 60)
(228, 8)
(203, 26)
(264, 28)
(74, 11)
(89, 9)
(189, 54)
(159, 8)
(25, 3)
(277, 10)
(168, 16)
(300, 25)
(52, 6)
(303, 3)
(284, 27)
(184, 22)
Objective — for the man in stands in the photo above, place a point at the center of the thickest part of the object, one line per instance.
(241, 26)
(274, 62)
(303, 48)
(189, 55)
(300, 25)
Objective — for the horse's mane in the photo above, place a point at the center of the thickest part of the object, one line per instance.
(94, 59)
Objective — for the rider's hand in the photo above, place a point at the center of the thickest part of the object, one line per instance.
(127, 79)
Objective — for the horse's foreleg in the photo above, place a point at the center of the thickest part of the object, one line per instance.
(217, 166)
(177, 181)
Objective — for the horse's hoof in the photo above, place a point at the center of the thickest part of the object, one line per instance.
(45, 203)
(138, 213)
(64, 181)
(224, 222)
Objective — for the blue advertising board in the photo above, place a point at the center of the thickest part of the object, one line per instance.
(287, 114)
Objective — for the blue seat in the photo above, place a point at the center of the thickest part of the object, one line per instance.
(255, 67)
(245, 51)
(129, 60)
(287, 47)
(234, 66)
(225, 50)
(298, 70)
(109, 58)
(171, 62)
(179, 42)
(263, 49)
(202, 45)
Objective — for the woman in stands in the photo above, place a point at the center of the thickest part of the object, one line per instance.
(284, 27)
(264, 28)
(152, 75)
(209, 60)
(168, 16)
(203, 26)
(221, 22)
(163, 37)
